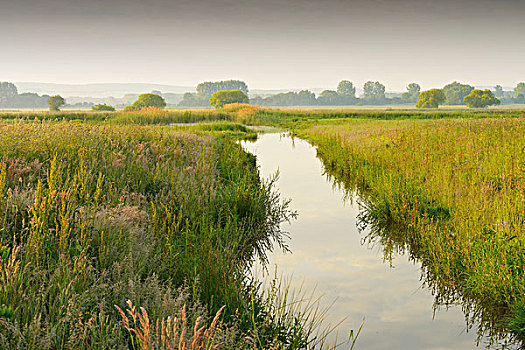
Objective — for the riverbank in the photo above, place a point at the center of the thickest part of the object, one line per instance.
(100, 220)
(457, 187)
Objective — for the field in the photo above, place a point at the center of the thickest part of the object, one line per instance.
(104, 214)
(131, 236)
(456, 188)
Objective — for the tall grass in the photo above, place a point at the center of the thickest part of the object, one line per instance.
(299, 117)
(97, 215)
(457, 187)
(145, 116)
(152, 115)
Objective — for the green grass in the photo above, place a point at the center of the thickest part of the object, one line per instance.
(456, 187)
(299, 117)
(95, 215)
(147, 116)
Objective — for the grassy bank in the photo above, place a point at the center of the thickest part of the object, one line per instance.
(147, 116)
(457, 187)
(299, 117)
(95, 216)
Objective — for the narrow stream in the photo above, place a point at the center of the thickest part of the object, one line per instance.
(328, 255)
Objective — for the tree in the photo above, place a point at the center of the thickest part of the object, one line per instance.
(498, 91)
(431, 98)
(149, 100)
(223, 97)
(55, 102)
(7, 91)
(329, 98)
(374, 92)
(28, 100)
(193, 100)
(519, 93)
(455, 92)
(301, 98)
(305, 98)
(208, 88)
(412, 94)
(346, 88)
(103, 107)
(480, 99)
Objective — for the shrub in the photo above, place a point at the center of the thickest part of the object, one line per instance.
(103, 107)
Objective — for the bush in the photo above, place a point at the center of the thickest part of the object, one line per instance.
(103, 107)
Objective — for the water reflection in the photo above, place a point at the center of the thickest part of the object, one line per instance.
(395, 240)
(330, 254)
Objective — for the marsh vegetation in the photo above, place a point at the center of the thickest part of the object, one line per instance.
(105, 209)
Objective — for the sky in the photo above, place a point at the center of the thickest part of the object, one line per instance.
(269, 44)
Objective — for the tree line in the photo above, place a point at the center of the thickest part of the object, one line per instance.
(10, 98)
(374, 93)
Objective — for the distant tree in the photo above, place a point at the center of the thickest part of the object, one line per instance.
(156, 92)
(28, 100)
(223, 97)
(128, 99)
(301, 98)
(346, 88)
(498, 91)
(455, 92)
(519, 93)
(329, 98)
(193, 100)
(149, 100)
(480, 99)
(7, 91)
(55, 102)
(374, 92)
(103, 107)
(305, 98)
(431, 98)
(412, 94)
(208, 88)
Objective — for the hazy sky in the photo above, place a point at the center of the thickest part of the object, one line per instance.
(269, 44)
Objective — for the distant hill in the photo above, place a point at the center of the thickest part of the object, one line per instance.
(121, 89)
(98, 90)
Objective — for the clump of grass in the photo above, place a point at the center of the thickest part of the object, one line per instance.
(168, 333)
(152, 116)
(244, 113)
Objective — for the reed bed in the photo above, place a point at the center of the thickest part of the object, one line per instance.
(301, 117)
(457, 186)
(145, 116)
(156, 219)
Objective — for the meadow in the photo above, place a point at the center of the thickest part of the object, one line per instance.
(451, 192)
(117, 236)
(132, 230)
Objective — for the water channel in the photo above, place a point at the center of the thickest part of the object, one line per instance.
(328, 254)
